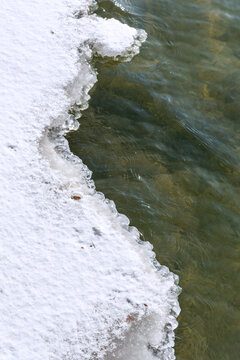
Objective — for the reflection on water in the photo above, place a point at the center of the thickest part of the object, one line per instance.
(162, 137)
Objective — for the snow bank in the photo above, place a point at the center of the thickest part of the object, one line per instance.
(75, 280)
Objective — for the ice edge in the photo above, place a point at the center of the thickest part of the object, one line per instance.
(130, 317)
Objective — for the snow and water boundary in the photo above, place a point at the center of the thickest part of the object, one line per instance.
(76, 282)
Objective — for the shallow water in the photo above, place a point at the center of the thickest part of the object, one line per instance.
(162, 137)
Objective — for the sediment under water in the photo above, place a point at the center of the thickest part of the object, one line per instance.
(161, 136)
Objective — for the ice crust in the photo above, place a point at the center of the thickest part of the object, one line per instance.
(75, 280)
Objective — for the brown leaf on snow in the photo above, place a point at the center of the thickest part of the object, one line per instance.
(129, 319)
(76, 197)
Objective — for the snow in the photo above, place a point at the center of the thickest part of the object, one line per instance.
(75, 280)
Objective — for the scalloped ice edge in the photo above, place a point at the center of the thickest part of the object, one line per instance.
(76, 280)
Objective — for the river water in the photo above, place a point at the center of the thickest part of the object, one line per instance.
(162, 137)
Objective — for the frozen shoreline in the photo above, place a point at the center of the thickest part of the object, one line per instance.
(74, 278)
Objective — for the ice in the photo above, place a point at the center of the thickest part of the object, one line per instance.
(75, 281)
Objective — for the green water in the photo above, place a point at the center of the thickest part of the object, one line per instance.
(162, 137)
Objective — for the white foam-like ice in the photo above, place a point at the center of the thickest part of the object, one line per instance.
(75, 280)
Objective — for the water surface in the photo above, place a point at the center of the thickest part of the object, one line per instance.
(162, 137)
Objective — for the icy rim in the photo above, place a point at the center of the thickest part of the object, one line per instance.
(76, 282)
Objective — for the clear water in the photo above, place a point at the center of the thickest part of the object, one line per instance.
(162, 137)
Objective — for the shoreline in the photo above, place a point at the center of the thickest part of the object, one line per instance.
(62, 297)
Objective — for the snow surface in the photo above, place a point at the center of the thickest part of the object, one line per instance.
(75, 280)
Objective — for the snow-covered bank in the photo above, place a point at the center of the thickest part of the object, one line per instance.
(75, 282)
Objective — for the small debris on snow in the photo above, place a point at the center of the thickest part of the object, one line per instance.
(76, 197)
